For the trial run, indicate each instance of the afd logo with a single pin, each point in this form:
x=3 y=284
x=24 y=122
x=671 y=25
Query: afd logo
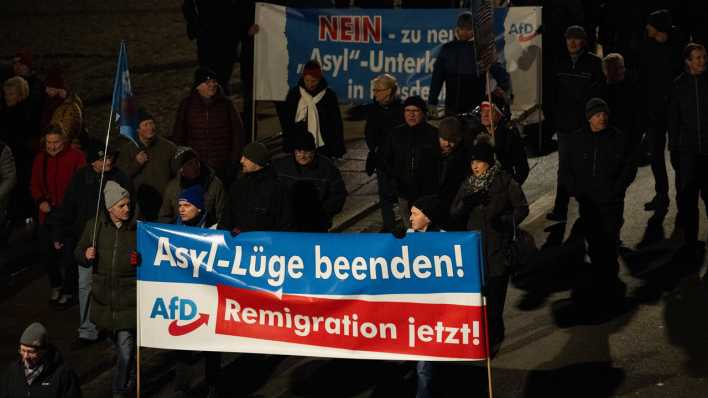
x=179 y=309
x=524 y=30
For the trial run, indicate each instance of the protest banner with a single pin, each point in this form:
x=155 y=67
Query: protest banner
x=355 y=45
x=365 y=296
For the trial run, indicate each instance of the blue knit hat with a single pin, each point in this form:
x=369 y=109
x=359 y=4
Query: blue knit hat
x=194 y=195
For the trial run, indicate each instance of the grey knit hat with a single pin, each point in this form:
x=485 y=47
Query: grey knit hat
x=35 y=336
x=113 y=193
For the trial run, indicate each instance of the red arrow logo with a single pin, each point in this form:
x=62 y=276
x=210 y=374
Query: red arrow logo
x=179 y=330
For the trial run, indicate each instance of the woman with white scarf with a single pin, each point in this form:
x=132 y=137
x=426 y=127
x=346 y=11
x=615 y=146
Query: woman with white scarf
x=312 y=103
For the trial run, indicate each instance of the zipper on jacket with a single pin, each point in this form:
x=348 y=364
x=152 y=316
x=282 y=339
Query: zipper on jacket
x=698 y=115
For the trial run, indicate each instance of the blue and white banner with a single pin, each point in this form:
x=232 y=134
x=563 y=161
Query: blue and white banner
x=355 y=45
x=333 y=295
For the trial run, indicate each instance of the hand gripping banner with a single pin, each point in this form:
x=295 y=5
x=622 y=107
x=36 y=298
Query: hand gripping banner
x=365 y=296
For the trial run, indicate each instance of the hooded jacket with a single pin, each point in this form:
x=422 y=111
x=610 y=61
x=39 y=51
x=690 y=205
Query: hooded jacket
x=688 y=114
x=56 y=380
x=330 y=119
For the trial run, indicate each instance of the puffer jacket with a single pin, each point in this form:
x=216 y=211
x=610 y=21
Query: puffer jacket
x=688 y=114
x=113 y=288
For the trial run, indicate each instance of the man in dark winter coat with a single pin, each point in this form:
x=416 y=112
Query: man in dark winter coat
x=41 y=371
x=8 y=179
x=454 y=166
x=660 y=63
x=575 y=74
x=207 y=121
x=412 y=157
x=69 y=220
x=621 y=93
x=315 y=185
x=191 y=171
x=385 y=113
x=688 y=135
x=598 y=172
x=148 y=164
x=456 y=66
x=257 y=200
x=312 y=102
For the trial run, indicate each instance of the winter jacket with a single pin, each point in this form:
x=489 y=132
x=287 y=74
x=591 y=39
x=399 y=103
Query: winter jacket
x=456 y=66
x=380 y=120
x=454 y=167
x=214 y=196
x=508 y=148
x=493 y=213
x=56 y=380
x=317 y=191
x=8 y=176
x=330 y=119
x=625 y=104
x=688 y=114
x=660 y=64
x=113 y=288
x=51 y=176
x=573 y=82
x=19 y=128
x=599 y=166
x=80 y=199
x=412 y=159
x=257 y=201
x=150 y=178
x=67 y=113
x=212 y=127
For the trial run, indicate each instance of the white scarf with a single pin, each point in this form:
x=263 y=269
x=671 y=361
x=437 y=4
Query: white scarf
x=307 y=108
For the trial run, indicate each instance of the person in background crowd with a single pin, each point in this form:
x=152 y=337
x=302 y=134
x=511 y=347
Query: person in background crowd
x=575 y=74
x=621 y=93
x=207 y=122
x=426 y=216
x=688 y=136
x=599 y=171
x=411 y=157
x=382 y=115
x=8 y=179
x=660 y=63
x=453 y=163
x=20 y=131
x=148 y=164
x=312 y=102
x=456 y=66
x=257 y=200
x=211 y=24
x=114 y=258
x=190 y=171
x=62 y=108
x=490 y=201
x=40 y=371
x=22 y=66
x=495 y=129
x=315 y=185
x=68 y=221
x=52 y=171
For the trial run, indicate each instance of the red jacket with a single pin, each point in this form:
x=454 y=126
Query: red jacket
x=51 y=176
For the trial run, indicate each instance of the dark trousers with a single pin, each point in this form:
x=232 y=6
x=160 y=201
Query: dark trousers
x=656 y=134
x=692 y=181
x=560 y=205
x=495 y=294
x=387 y=198
x=59 y=264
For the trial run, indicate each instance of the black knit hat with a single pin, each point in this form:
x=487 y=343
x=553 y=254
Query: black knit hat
x=483 y=152
x=431 y=206
x=595 y=105
x=450 y=129
x=576 y=32
x=144 y=115
x=257 y=153
x=415 y=101
x=95 y=151
x=304 y=141
x=660 y=20
x=203 y=74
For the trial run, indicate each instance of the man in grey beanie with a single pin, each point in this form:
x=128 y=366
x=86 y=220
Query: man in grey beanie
x=113 y=257
x=41 y=371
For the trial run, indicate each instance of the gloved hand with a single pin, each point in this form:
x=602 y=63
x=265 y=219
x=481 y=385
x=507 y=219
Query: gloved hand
x=135 y=259
x=235 y=231
x=398 y=233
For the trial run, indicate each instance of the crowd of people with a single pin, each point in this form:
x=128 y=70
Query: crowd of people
x=85 y=196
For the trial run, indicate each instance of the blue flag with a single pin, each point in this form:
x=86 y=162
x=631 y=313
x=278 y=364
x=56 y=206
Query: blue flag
x=124 y=104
